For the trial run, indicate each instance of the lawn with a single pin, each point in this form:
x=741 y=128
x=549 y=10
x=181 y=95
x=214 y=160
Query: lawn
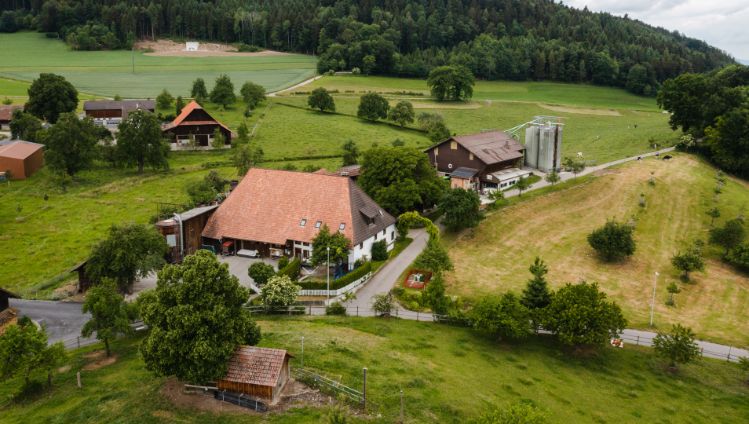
x=40 y=240
x=139 y=75
x=495 y=256
x=447 y=374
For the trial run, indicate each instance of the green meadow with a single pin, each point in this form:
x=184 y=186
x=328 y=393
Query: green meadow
x=137 y=74
x=447 y=374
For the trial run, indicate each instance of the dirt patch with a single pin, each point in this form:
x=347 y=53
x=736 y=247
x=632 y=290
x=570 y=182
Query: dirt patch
x=172 y=48
x=581 y=111
x=99 y=360
x=69 y=292
x=295 y=395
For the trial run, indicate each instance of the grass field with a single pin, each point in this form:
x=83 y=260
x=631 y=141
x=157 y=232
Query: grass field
x=447 y=374
x=111 y=72
x=40 y=240
x=495 y=256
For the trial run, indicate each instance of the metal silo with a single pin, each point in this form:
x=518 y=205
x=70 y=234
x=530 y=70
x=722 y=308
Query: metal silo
x=531 y=146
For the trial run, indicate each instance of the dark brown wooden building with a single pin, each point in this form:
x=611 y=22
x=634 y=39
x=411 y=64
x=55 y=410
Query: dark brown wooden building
x=188 y=240
x=5 y=297
x=112 y=109
x=194 y=121
x=258 y=372
x=475 y=158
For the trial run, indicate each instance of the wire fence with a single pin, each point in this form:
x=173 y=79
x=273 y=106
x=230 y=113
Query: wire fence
x=708 y=350
x=315 y=380
x=77 y=342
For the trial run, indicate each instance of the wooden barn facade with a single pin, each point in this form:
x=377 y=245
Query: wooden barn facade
x=195 y=122
x=477 y=160
x=116 y=109
x=183 y=232
x=258 y=372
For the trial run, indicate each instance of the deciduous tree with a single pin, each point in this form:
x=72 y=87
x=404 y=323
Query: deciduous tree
x=552 y=177
x=50 y=96
x=461 y=209
x=729 y=236
x=688 y=261
x=677 y=346
x=110 y=316
x=451 y=83
x=164 y=100
x=503 y=317
x=322 y=100
x=223 y=92
x=279 y=291
x=71 y=144
x=337 y=242
x=350 y=153
x=260 y=272
x=402 y=113
x=196 y=320
x=128 y=252
x=580 y=314
x=372 y=106
x=613 y=241
x=25 y=126
x=140 y=141
x=252 y=94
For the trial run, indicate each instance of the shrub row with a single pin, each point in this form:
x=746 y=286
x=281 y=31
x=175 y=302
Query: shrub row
x=292 y=269
x=341 y=282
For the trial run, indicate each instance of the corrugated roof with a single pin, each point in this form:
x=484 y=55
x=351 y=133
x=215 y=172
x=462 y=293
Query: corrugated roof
x=464 y=172
x=269 y=206
x=491 y=146
x=256 y=365
x=19 y=149
x=192 y=213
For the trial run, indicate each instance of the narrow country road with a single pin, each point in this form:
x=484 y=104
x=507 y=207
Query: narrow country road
x=63 y=320
x=385 y=278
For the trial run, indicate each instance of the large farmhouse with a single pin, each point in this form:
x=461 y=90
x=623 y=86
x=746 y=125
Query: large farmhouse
x=277 y=213
x=195 y=122
x=484 y=161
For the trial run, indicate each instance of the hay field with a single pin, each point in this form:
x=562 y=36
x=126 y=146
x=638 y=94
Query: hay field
x=495 y=256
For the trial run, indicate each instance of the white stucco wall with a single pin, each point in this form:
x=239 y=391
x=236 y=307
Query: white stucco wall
x=364 y=249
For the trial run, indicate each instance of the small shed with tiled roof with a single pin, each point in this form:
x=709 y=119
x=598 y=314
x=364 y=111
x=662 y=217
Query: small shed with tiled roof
x=257 y=371
x=194 y=121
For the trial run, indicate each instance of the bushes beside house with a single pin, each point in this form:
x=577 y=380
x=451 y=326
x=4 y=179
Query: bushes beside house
x=292 y=269
x=341 y=282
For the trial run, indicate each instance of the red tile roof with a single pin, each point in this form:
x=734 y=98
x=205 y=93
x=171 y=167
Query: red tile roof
x=269 y=205
x=19 y=149
x=256 y=365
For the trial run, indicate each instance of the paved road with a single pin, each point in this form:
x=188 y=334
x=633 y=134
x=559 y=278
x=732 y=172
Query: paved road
x=709 y=350
x=63 y=320
x=386 y=276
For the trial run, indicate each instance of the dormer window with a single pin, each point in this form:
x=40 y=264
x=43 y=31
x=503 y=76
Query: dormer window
x=303 y=222
x=318 y=224
x=342 y=226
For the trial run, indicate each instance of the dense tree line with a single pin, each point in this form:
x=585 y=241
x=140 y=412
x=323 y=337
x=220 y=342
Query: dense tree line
x=712 y=109
x=495 y=39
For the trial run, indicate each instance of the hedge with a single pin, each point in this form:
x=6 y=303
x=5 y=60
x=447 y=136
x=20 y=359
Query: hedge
x=292 y=269
x=341 y=282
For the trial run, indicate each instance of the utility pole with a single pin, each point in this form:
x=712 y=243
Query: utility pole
x=652 y=303
x=327 y=277
x=302 y=351
x=132 y=58
x=364 y=389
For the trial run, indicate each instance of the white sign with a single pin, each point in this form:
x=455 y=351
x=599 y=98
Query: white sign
x=171 y=240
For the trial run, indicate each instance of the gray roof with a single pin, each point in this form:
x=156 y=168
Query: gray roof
x=491 y=146
x=464 y=172
x=192 y=213
x=367 y=208
x=125 y=105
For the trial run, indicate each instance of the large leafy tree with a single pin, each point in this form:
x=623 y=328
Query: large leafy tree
x=196 y=320
x=400 y=179
x=677 y=346
x=223 y=91
x=50 y=96
x=434 y=257
x=140 y=141
x=580 y=314
x=24 y=349
x=337 y=242
x=728 y=140
x=613 y=241
x=503 y=316
x=688 y=261
x=451 y=83
x=110 y=315
x=25 y=126
x=164 y=100
x=729 y=236
x=260 y=272
x=322 y=100
x=71 y=144
x=402 y=113
x=372 y=106
x=252 y=94
x=461 y=209
x=129 y=251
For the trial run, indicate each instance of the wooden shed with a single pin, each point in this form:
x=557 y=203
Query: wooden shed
x=5 y=297
x=258 y=372
x=21 y=158
x=189 y=240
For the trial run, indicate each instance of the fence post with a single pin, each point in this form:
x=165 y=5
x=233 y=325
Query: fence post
x=638 y=340
x=417 y=319
x=364 y=389
x=357 y=310
x=78 y=378
x=78 y=338
x=729 y=353
x=310 y=312
x=302 y=351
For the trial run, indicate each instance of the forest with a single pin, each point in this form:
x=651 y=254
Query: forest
x=495 y=39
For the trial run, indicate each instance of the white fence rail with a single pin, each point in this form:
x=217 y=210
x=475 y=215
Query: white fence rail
x=343 y=290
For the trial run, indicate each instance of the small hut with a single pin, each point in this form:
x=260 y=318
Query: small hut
x=5 y=297
x=258 y=372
